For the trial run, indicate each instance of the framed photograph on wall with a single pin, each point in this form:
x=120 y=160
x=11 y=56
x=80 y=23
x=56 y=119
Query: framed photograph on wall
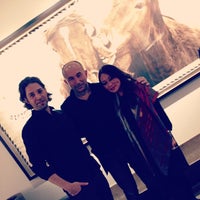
x=131 y=34
x=16 y=153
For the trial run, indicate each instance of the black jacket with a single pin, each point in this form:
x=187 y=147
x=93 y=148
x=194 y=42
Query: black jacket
x=53 y=147
x=98 y=122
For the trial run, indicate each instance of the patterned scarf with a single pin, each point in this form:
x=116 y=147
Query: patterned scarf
x=150 y=128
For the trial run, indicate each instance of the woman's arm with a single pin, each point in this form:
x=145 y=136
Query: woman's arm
x=162 y=114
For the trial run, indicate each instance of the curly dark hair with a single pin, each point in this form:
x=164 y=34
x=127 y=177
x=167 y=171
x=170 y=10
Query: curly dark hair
x=22 y=87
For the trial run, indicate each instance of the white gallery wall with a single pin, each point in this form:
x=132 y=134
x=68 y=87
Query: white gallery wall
x=182 y=107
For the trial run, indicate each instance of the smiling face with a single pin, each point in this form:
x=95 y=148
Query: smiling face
x=76 y=77
x=36 y=96
x=110 y=84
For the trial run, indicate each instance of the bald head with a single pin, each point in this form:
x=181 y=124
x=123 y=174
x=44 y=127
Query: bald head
x=76 y=77
x=71 y=65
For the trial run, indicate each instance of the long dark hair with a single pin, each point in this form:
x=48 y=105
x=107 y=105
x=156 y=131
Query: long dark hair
x=22 y=89
x=114 y=72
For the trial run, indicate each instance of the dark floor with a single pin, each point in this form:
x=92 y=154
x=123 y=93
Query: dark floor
x=119 y=195
x=191 y=151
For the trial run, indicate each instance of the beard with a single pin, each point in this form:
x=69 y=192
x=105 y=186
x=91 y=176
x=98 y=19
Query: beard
x=82 y=89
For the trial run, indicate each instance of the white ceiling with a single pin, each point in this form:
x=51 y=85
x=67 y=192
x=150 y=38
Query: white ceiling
x=15 y=13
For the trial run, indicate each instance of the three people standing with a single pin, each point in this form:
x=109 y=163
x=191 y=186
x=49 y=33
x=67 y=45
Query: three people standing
x=125 y=126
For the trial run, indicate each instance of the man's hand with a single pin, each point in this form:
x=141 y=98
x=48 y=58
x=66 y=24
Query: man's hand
x=142 y=80
x=72 y=188
x=75 y=187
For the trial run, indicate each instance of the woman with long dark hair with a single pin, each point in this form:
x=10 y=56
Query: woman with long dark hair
x=148 y=127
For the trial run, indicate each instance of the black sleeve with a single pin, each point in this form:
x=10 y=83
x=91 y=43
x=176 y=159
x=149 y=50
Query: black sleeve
x=35 y=154
x=162 y=114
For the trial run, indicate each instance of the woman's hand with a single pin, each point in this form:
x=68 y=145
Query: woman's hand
x=174 y=143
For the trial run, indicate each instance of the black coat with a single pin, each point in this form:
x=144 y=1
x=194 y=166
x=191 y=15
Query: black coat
x=97 y=120
x=53 y=147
